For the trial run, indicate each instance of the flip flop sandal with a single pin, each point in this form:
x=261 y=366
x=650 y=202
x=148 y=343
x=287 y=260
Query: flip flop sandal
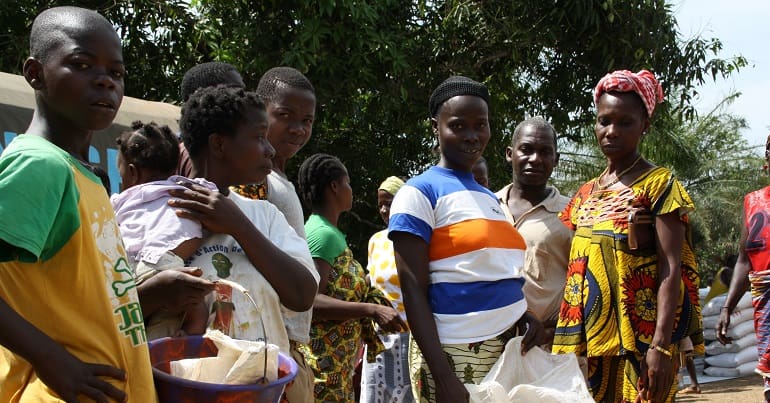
x=690 y=390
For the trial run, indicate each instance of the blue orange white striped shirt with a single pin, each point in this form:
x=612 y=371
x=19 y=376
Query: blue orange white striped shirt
x=476 y=256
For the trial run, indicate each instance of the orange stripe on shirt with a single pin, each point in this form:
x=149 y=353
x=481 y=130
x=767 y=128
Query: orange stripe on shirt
x=470 y=235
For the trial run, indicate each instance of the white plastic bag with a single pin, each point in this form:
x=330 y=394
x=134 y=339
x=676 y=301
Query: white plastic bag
x=536 y=377
x=238 y=362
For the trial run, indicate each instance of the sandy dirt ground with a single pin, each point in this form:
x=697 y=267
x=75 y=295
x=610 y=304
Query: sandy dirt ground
x=740 y=390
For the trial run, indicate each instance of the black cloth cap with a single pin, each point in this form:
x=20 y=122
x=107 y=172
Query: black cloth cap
x=456 y=86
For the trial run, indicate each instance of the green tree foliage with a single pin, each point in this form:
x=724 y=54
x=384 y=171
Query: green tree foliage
x=725 y=169
x=375 y=63
x=158 y=40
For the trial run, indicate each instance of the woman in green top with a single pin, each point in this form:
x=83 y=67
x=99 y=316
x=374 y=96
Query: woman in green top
x=346 y=303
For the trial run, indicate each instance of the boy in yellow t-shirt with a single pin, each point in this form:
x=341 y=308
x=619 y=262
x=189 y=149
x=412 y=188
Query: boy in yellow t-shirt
x=72 y=324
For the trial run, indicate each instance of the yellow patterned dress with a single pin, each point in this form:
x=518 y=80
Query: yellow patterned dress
x=335 y=345
x=254 y=191
x=609 y=309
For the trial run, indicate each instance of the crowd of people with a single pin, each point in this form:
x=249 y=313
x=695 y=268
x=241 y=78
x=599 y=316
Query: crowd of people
x=608 y=274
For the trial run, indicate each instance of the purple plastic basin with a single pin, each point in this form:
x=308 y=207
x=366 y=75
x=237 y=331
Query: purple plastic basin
x=173 y=389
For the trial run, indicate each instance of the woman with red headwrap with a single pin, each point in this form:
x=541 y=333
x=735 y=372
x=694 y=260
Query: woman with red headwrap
x=632 y=282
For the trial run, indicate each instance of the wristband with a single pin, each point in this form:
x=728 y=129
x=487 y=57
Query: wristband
x=660 y=349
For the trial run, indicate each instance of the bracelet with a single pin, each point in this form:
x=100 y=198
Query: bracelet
x=660 y=349
x=724 y=307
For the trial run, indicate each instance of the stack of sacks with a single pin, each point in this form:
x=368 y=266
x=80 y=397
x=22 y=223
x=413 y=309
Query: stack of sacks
x=238 y=362
x=698 y=360
x=702 y=294
x=740 y=357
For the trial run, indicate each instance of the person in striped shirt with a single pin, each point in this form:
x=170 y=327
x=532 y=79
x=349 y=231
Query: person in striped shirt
x=459 y=260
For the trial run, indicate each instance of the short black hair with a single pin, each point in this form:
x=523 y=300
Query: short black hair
x=452 y=87
x=315 y=174
x=150 y=146
x=538 y=122
x=278 y=78
x=53 y=25
x=212 y=110
x=208 y=74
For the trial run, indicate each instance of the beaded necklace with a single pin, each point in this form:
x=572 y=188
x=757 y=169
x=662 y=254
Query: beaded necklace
x=617 y=176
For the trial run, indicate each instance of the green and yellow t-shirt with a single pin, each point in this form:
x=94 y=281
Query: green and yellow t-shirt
x=63 y=268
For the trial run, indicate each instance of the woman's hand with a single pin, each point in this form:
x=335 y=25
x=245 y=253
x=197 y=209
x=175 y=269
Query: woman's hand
x=173 y=290
x=211 y=208
x=388 y=318
x=656 y=376
x=723 y=325
x=532 y=330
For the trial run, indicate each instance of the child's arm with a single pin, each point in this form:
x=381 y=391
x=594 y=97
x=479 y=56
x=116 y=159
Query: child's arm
x=187 y=248
x=291 y=280
x=61 y=371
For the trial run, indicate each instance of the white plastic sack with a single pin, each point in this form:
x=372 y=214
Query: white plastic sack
x=716 y=303
x=719 y=371
x=710 y=322
x=741 y=329
x=741 y=315
x=716 y=348
x=702 y=292
x=745 y=301
x=747 y=341
x=535 y=377
x=738 y=317
x=238 y=362
x=732 y=360
x=748 y=354
x=737 y=331
x=747 y=368
x=724 y=360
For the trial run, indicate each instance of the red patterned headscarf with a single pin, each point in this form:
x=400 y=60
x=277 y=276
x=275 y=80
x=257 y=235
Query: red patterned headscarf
x=642 y=83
